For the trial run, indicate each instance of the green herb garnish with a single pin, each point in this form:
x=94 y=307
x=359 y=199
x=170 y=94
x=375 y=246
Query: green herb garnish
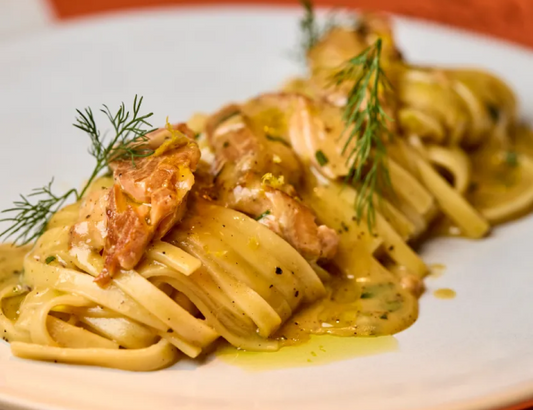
x=50 y=259
x=278 y=139
x=511 y=158
x=267 y=212
x=494 y=112
x=366 y=126
x=366 y=295
x=310 y=30
x=394 y=305
x=129 y=142
x=321 y=158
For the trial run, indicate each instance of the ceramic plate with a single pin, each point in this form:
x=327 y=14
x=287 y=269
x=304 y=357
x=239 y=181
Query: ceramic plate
x=472 y=352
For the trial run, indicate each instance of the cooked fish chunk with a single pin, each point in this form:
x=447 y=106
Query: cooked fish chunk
x=308 y=126
x=294 y=221
x=161 y=180
x=147 y=199
x=257 y=174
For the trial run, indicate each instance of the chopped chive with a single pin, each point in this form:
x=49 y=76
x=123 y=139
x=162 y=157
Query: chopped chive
x=494 y=112
x=366 y=295
x=511 y=158
x=278 y=139
x=50 y=259
x=321 y=158
x=267 y=212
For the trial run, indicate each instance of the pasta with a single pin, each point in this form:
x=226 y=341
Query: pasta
x=261 y=224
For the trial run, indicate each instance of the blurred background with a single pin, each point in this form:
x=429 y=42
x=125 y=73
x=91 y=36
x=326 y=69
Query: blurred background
x=511 y=20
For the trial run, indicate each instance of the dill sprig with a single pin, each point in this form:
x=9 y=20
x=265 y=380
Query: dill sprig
x=129 y=140
x=31 y=218
x=310 y=30
x=33 y=211
x=366 y=126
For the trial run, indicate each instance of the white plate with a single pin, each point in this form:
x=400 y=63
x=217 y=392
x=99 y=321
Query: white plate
x=473 y=352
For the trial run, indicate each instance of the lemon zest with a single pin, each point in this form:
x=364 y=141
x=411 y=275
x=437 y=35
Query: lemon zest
x=177 y=139
x=271 y=180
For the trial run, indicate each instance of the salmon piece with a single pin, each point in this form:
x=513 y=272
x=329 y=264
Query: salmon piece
x=148 y=198
x=257 y=175
x=162 y=180
x=295 y=222
x=128 y=233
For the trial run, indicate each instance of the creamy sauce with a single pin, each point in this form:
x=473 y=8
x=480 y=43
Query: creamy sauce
x=444 y=293
x=10 y=306
x=272 y=121
x=12 y=293
x=436 y=270
x=318 y=350
x=366 y=298
x=367 y=305
x=11 y=260
x=443 y=226
x=523 y=140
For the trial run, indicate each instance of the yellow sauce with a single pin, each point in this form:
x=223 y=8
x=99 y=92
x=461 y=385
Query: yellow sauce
x=11 y=260
x=10 y=306
x=13 y=293
x=523 y=140
x=443 y=227
x=319 y=350
x=444 y=293
x=436 y=270
x=374 y=306
x=272 y=121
